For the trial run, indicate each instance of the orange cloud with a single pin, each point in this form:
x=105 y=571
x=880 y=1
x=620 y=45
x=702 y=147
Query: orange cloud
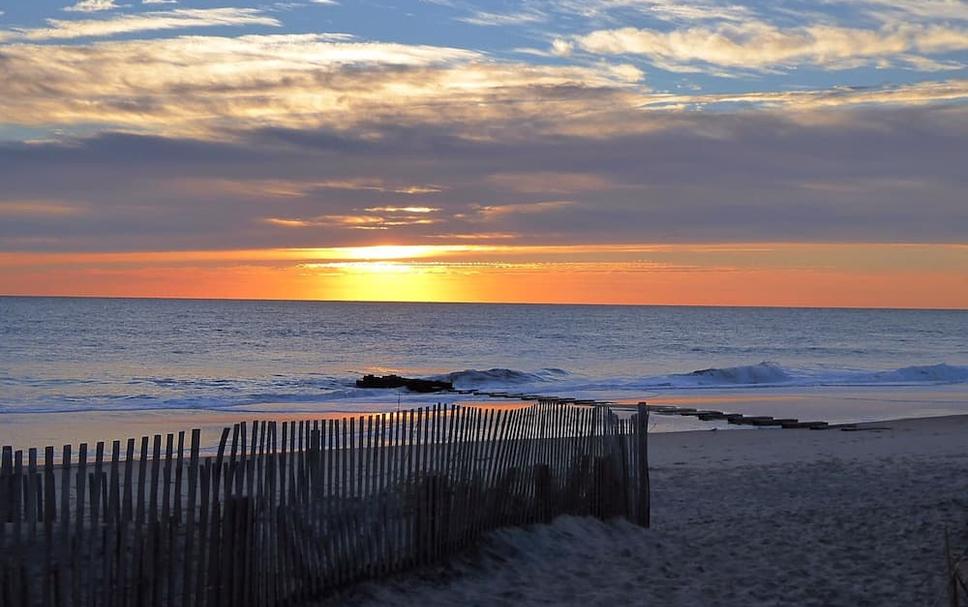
x=26 y=208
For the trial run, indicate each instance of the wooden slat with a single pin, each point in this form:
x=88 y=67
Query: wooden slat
x=32 y=505
x=6 y=489
x=216 y=469
x=17 y=483
x=200 y=568
x=77 y=587
x=643 y=505
x=64 y=535
x=189 y=565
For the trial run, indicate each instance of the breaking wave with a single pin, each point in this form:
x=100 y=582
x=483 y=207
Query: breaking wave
x=766 y=374
x=473 y=378
x=923 y=373
x=762 y=373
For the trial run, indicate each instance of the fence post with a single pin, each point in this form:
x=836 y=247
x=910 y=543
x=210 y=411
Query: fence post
x=643 y=512
x=952 y=573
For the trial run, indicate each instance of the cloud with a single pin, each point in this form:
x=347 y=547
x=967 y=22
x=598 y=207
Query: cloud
x=37 y=208
x=59 y=29
x=354 y=222
x=490 y=213
x=895 y=10
x=402 y=209
x=618 y=11
x=208 y=84
x=90 y=6
x=288 y=188
x=857 y=173
x=549 y=182
x=561 y=48
x=485 y=18
x=926 y=64
x=758 y=45
x=799 y=101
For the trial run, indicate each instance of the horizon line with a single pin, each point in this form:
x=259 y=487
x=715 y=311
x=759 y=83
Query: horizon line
x=478 y=303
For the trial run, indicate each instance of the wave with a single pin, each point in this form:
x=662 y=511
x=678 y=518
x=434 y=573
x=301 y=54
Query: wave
x=767 y=374
x=321 y=392
x=942 y=373
x=497 y=377
x=762 y=373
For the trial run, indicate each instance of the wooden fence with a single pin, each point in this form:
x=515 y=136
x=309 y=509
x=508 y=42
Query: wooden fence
x=287 y=512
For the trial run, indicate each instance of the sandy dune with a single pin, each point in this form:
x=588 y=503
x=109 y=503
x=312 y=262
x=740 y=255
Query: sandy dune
x=764 y=517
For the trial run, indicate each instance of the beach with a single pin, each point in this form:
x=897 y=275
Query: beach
x=760 y=517
x=741 y=515
x=840 y=405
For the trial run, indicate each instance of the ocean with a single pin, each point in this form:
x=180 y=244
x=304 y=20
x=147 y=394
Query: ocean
x=80 y=355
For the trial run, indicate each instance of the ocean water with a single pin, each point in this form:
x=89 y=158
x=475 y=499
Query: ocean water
x=92 y=355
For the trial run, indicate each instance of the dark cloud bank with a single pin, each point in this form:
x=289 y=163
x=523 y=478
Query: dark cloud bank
x=870 y=174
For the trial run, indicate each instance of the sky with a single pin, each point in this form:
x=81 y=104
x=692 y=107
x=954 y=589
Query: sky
x=571 y=151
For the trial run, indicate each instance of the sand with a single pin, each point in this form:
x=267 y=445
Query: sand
x=760 y=517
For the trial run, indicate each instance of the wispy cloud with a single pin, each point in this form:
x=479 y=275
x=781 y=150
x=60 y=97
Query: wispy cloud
x=290 y=188
x=198 y=84
x=37 y=208
x=91 y=6
x=666 y=10
x=377 y=185
x=59 y=29
x=549 y=182
x=491 y=212
x=354 y=222
x=758 y=45
x=894 y=10
x=922 y=93
x=419 y=210
x=504 y=19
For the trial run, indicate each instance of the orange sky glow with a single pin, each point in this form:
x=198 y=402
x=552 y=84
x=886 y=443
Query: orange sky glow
x=747 y=274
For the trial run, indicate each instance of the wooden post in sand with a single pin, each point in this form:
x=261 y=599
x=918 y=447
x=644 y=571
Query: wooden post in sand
x=952 y=573
x=643 y=511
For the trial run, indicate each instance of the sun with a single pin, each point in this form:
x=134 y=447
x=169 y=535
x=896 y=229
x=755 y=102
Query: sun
x=384 y=280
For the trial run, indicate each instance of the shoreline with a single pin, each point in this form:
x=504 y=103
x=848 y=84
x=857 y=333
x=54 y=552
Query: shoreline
x=866 y=406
